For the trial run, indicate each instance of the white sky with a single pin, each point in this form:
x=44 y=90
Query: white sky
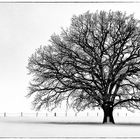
x=26 y=26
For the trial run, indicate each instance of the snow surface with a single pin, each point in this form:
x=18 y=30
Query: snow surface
x=68 y=127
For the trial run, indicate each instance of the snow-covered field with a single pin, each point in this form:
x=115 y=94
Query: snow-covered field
x=70 y=126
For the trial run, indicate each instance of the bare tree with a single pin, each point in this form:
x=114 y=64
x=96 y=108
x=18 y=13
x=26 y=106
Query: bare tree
x=95 y=62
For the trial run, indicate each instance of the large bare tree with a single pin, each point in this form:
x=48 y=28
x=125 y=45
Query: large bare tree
x=94 y=62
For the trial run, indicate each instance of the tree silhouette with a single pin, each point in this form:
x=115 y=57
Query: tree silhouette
x=94 y=62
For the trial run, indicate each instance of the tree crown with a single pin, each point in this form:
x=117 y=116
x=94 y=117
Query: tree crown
x=93 y=62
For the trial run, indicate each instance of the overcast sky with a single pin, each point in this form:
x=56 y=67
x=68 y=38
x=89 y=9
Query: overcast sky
x=26 y=26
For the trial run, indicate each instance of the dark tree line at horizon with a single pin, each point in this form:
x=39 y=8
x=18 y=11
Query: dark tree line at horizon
x=95 y=62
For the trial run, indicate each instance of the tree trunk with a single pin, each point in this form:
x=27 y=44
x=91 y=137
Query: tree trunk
x=108 y=114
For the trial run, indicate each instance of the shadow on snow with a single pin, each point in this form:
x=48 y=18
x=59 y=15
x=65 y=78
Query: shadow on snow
x=72 y=123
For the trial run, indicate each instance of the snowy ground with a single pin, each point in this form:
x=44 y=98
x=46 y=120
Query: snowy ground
x=39 y=127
